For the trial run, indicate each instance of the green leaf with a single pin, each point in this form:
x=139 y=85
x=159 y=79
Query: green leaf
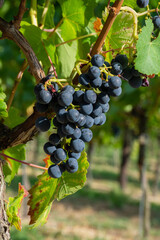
x=3 y=105
x=121 y=32
x=11 y=167
x=148 y=51
x=14 y=118
x=48 y=189
x=14 y=206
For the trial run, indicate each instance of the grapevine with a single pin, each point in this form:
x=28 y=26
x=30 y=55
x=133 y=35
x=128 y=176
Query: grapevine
x=69 y=105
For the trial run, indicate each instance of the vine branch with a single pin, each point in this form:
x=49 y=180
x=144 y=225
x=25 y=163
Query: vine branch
x=18 y=18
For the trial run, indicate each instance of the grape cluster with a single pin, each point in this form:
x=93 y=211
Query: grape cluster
x=77 y=109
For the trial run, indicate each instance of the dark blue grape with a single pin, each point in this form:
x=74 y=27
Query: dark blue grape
x=135 y=82
x=104 y=106
x=82 y=120
x=49 y=148
x=44 y=97
x=77 y=145
x=76 y=134
x=65 y=99
x=41 y=107
x=97 y=110
x=127 y=73
x=69 y=89
x=68 y=128
x=135 y=72
x=73 y=115
x=122 y=59
x=102 y=119
x=115 y=92
x=53 y=159
x=107 y=64
x=86 y=135
x=38 y=88
x=54 y=171
x=86 y=108
x=156 y=21
x=60 y=132
x=116 y=68
x=114 y=82
x=94 y=72
x=62 y=115
x=43 y=124
x=84 y=79
x=96 y=83
x=103 y=97
x=97 y=120
x=142 y=3
x=72 y=165
x=90 y=96
x=62 y=166
x=97 y=60
x=89 y=122
x=54 y=139
x=55 y=122
x=78 y=96
x=60 y=154
x=104 y=86
x=74 y=155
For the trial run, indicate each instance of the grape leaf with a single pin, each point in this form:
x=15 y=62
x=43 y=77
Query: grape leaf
x=3 y=105
x=148 y=51
x=11 y=167
x=48 y=189
x=14 y=206
x=14 y=118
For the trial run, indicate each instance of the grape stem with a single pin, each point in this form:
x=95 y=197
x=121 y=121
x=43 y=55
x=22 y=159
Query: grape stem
x=29 y=164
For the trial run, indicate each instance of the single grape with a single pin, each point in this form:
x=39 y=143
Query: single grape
x=54 y=160
x=97 y=120
x=97 y=110
x=156 y=21
x=60 y=132
x=74 y=155
x=77 y=133
x=62 y=115
x=122 y=59
x=104 y=106
x=96 y=83
x=107 y=64
x=82 y=120
x=127 y=73
x=135 y=82
x=55 y=122
x=41 y=107
x=104 y=86
x=135 y=72
x=73 y=115
x=49 y=148
x=54 y=139
x=60 y=154
x=54 y=171
x=43 y=124
x=72 y=165
x=69 y=89
x=115 y=92
x=114 y=82
x=97 y=60
x=94 y=72
x=90 y=96
x=102 y=119
x=86 y=135
x=89 y=122
x=116 y=68
x=44 y=97
x=38 y=88
x=78 y=96
x=142 y=3
x=86 y=108
x=68 y=128
x=65 y=99
x=84 y=79
x=77 y=145
x=103 y=97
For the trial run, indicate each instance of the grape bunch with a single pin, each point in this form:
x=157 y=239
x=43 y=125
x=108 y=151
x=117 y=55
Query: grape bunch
x=142 y=3
x=77 y=108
